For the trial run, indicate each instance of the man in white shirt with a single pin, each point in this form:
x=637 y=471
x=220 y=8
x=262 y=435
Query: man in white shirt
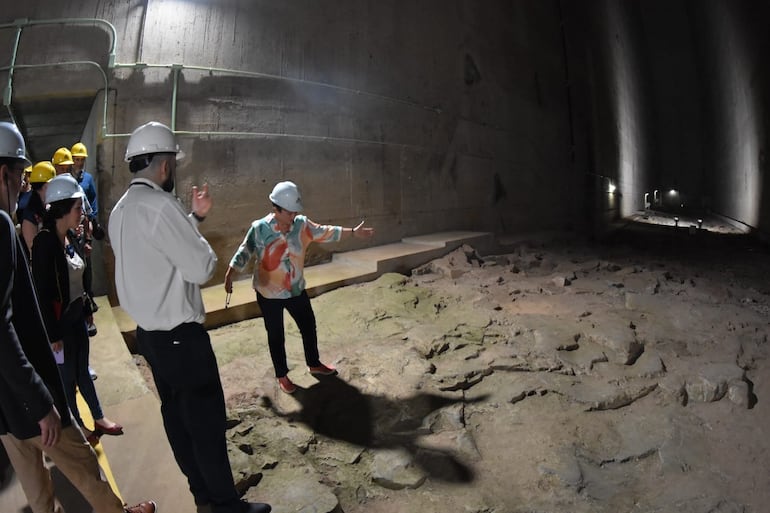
x=161 y=259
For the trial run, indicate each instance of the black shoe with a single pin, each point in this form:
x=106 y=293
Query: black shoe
x=202 y=505
x=92 y=330
x=256 y=507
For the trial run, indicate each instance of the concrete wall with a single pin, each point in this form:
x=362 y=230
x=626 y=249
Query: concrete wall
x=736 y=83
x=425 y=116
x=708 y=111
x=611 y=108
x=675 y=98
x=709 y=88
x=417 y=116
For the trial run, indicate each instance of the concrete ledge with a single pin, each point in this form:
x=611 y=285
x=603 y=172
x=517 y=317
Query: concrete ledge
x=509 y=242
x=481 y=241
x=123 y=320
x=325 y=277
x=121 y=380
x=231 y=314
x=346 y=268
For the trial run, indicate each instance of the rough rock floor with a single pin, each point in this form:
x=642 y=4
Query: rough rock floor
x=559 y=377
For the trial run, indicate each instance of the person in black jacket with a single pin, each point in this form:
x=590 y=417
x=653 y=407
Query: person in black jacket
x=58 y=270
x=26 y=405
x=32 y=216
x=34 y=415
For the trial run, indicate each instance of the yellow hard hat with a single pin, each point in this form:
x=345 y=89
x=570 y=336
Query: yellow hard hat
x=79 y=150
x=62 y=157
x=42 y=172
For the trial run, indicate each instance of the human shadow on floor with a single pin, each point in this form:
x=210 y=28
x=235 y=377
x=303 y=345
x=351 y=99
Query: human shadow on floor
x=336 y=409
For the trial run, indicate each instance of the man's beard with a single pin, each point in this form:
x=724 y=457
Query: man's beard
x=168 y=184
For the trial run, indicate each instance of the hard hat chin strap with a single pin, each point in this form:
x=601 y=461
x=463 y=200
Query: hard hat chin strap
x=7 y=189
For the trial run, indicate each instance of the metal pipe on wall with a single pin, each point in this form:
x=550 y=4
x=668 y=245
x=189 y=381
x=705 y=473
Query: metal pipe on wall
x=176 y=70
x=24 y=22
x=68 y=63
x=8 y=91
x=320 y=138
x=257 y=74
x=19 y=25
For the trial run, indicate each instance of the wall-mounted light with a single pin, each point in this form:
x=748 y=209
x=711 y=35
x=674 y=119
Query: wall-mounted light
x=676 y=221
x=611 y=188
x=700 y=223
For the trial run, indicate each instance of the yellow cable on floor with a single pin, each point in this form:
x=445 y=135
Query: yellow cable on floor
x=85 y=414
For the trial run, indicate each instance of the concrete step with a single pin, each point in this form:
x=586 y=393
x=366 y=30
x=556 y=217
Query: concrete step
x=346 y=268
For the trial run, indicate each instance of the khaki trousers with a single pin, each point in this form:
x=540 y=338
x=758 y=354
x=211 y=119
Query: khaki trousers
x=76 y=460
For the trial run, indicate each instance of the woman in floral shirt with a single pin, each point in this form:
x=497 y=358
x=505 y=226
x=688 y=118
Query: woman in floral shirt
x=279 y=242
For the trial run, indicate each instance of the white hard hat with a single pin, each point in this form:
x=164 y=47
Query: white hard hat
x=63 y=187
x=286 y=195
x=12 y=143
x=152 y=137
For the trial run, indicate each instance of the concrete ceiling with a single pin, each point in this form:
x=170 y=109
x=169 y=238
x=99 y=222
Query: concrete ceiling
x=50 y=123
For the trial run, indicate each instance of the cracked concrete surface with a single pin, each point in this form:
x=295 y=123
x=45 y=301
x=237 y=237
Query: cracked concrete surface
x=556 y=377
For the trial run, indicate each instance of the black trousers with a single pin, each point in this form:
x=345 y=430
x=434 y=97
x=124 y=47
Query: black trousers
x=193 y=408
x=300 y=310
x=74 y=370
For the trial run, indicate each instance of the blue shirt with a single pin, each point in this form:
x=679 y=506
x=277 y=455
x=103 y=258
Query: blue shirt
x=89 y=187
x=22 y=204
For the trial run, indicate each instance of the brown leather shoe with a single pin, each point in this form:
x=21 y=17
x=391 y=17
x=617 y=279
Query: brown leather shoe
x=143 y=507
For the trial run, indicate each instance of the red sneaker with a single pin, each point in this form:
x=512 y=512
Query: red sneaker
x=286 y=385
x=323 y=370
